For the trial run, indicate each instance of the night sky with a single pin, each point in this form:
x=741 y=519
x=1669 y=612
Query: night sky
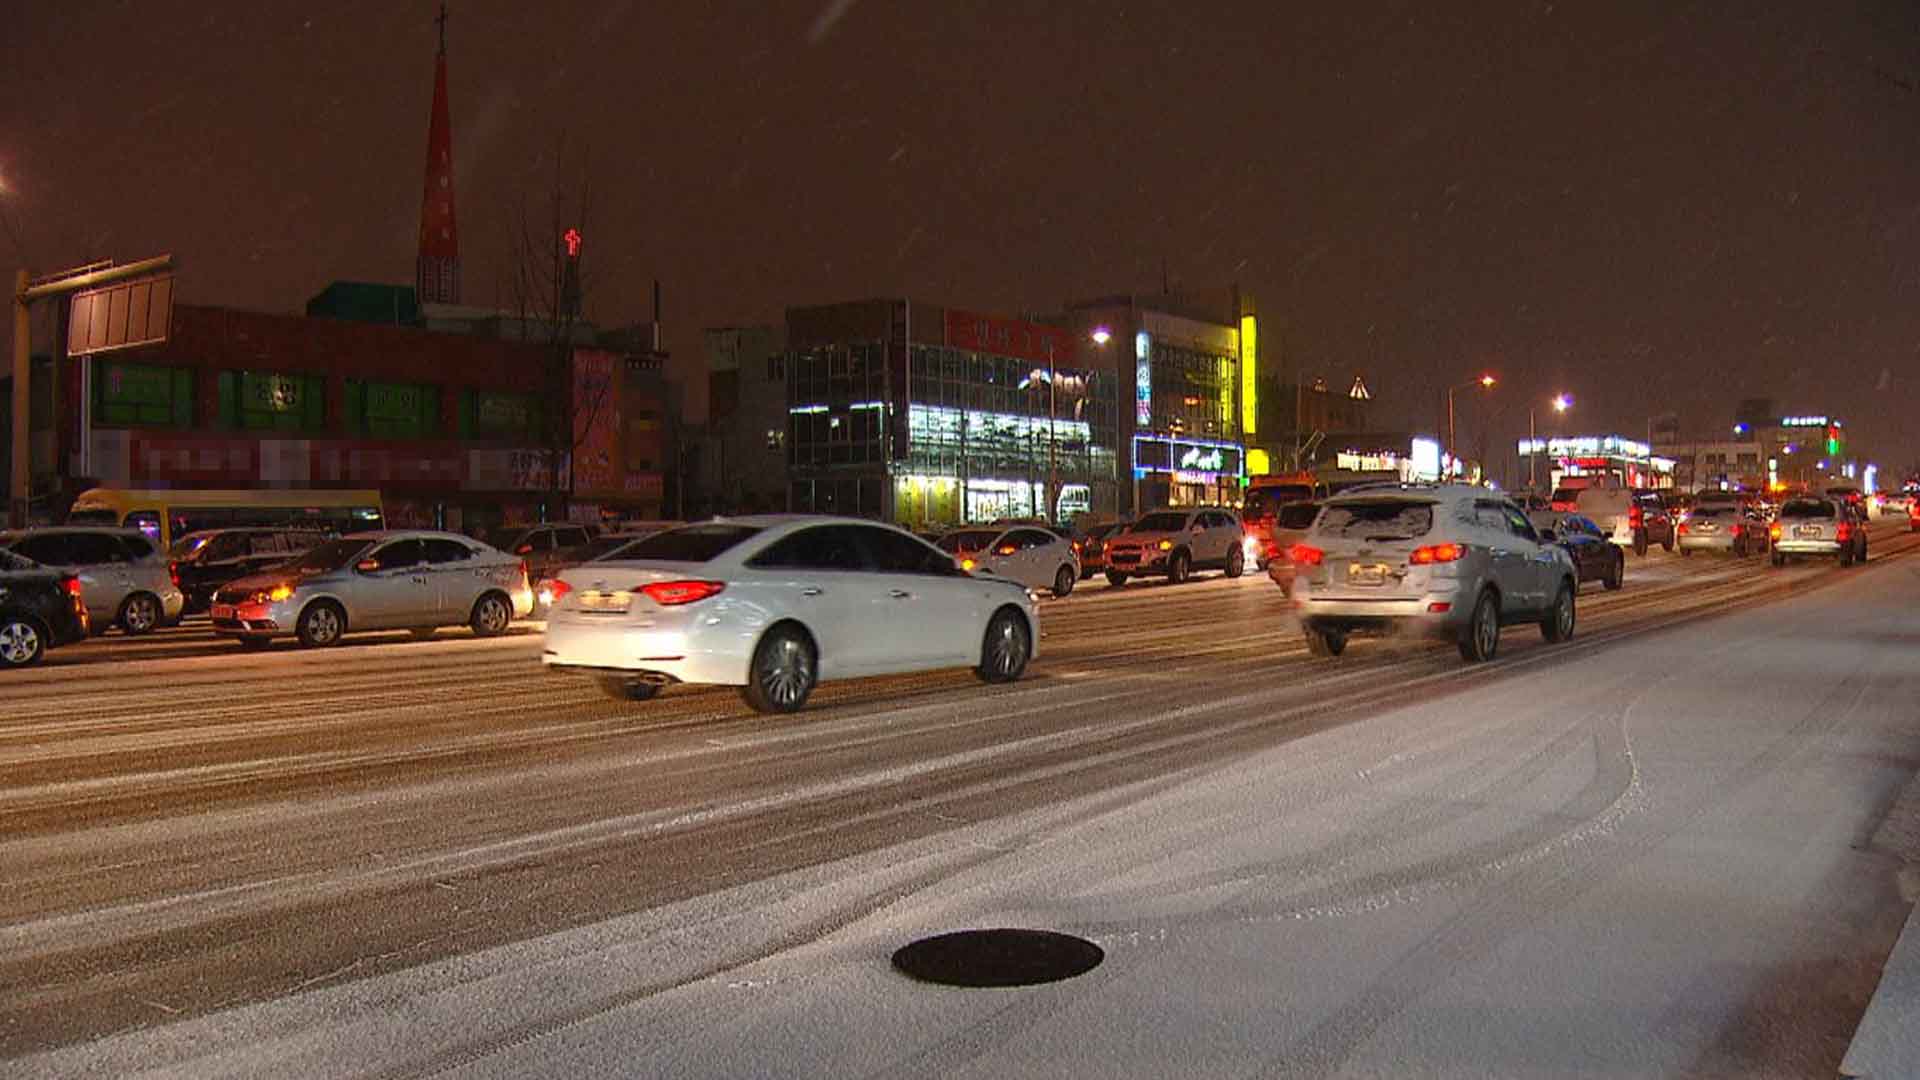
x=1652 y=205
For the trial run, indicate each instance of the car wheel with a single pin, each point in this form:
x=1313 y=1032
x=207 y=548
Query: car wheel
x=784 y=670
x=627 y=688
x=1481 y=638
x=1236 y=561
x=139 y=614
x=1178 y=567
x=1558 y=624
x=423 y=633
x=1640 y=543
x=1616 y=576
x=1116 y=579
x=1063 y=581
x=21 y=643
x=491 y=614
x=320 y=625
x=1006 y=649
x=1326 y=642
x=1666 y=543
x=1846 y=557
x=1779 y=559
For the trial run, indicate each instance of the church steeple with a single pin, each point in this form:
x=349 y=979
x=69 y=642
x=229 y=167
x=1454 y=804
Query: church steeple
x=437 y=275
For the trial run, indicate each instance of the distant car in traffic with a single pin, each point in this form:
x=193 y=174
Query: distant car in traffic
x=776 y=605
x=1093 y=546
x=1452 y=561
x=210 y=558
x=413 y=580
x=1631 y=519
x=125 y=579
x=1176 y=543
x=40 y=609
x=606 y=545
x=1289 y=526
x=1036 y=557
x=1723 y=527
x=544 y=547
x=1816 y=526
x=1594 y=557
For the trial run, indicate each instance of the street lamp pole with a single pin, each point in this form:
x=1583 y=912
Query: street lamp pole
x=1053 y=441
x=1485 y=382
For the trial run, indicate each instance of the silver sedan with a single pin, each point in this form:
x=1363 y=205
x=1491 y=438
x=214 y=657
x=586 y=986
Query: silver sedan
x=393 y=580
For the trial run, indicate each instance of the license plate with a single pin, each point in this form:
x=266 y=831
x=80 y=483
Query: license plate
x=1705 y=528
x=1366 y=574
x=1807 y=530
x=605 y=601
x=221 y=611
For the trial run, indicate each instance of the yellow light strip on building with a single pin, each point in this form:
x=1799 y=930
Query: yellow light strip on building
x=1249 y=400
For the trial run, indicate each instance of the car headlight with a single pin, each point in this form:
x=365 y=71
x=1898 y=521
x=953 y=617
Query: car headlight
x=1166 y=545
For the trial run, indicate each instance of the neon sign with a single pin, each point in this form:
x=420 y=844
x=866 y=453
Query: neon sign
x=1207 y=460
x=1143 y=379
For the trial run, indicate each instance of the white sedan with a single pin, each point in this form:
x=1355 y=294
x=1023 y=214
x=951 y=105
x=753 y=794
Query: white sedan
x=1029 y=554
x=777 y=604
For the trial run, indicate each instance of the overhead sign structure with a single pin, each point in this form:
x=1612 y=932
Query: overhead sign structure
x=126 y=315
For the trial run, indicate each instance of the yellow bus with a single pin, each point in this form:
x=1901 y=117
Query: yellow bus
x=168 y=515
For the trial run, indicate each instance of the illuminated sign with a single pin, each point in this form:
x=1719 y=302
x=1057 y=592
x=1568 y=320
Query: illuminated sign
x=1143 y=379
x=1249 y=400
x=1210 y=460
x=1381 y=462
x=1804 y=421
x=572 y=237
x=1426 y=459
x=1259 y=463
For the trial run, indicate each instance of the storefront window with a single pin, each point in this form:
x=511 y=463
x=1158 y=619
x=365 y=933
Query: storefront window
x=272 y=401
x=142 y=395
x=490 y=414
x=392 y=410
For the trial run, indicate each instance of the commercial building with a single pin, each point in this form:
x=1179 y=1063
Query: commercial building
x=1799 y=451
x=742 y=467
x=1597 y=460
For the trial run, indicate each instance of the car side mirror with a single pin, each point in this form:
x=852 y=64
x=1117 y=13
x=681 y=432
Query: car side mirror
x=367 y=566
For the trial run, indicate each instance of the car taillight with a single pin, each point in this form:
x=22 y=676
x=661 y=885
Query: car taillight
x=1735 y=531
x=173 y=571
x=555 y=589
x=72 y=585
x=1636 y=517
x=1273 y=549
x=675 y=593
x=525 y=574
x=1682 y=529
x=1437 y=553
x=1843 y=532
x=1306 y=555
x=1773 y=532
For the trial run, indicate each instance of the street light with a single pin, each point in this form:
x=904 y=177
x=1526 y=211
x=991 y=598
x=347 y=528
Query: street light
x=1485 y=382
x=1561 y=403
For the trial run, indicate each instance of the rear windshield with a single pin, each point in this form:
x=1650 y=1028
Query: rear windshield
x=1566 y=495
x=1262 y=501
x=1387 y=520
x=97 y=516
x=1720 y=511
x=1164 y=521
x=693 y=544
x=184 y=547
x=1298 y=515
x=966 y=540
x=1807 y=508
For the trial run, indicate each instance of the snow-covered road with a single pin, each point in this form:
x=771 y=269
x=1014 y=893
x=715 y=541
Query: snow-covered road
x=1639 y=855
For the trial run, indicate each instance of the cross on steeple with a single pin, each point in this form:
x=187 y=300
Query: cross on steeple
x=442 y=20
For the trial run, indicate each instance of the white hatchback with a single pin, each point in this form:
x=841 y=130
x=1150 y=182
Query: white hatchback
x=1031 y=555
x=777 y=604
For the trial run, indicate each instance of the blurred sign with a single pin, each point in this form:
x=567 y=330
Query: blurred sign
x=123 y=316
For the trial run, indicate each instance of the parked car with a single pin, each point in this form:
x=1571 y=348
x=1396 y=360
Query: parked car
x=1819 y=527
x=1290 y=526
x=1035 y=557
x=776 y=605
x=1450 y=560
x=1594 y=557
x=1176 y=543
x=208 y=559
x=125 y=579
x=545 y=546
x=389 y=580
x=40 y=609
x=1093 y=546
x=1723 y=527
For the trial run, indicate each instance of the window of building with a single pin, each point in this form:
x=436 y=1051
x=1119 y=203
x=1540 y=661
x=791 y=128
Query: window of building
x=492 y=414
x=392 y=410
x=776 y=368
x=142 y=395
x=272 y=401
x=776 y=439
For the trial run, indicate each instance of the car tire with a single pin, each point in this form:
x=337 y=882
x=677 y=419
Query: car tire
x=491 y=615
x=1557 y=625
x=321 y=624
x=1327 y=643
x=139 y=614
x=785 y=669
x=1666 y=544
x=1179 y=568
x=1846 y=557
x=1007 y=647
x=1779 y=559
x=1640 y=543
x=626 y=688
x=1236 y=561
x=1116 y=579
x=1063 y=582
x=22 y=642
x=1480 y=638
x=1617 y=576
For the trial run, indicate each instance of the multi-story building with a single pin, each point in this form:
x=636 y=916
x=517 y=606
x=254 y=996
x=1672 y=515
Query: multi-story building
x=743 y=458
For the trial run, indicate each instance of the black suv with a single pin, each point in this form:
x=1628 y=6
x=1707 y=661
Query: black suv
x=210 y=558
x=40 y=609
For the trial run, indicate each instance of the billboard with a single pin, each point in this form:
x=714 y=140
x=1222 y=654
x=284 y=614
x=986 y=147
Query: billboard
x=1017 y=338
x=597 y=463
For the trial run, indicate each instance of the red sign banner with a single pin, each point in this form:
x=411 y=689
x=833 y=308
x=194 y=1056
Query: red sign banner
x=1017 y=338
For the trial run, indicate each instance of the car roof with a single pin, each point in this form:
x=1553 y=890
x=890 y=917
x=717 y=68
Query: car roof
x=411 y=534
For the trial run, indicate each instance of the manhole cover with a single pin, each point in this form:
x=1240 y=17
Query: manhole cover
x=998 y=958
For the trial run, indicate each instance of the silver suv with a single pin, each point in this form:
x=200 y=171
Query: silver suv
x=124 y=579
x=1442 y=560
x=1176 y=543
x=1819 y=526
